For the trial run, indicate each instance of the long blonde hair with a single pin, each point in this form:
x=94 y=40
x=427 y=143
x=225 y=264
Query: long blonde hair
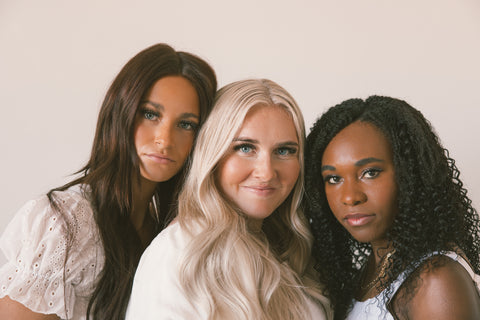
x=232 y=272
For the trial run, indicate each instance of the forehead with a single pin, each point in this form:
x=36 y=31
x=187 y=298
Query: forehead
x=174 y=92
x=269 y=119
x=358 y=140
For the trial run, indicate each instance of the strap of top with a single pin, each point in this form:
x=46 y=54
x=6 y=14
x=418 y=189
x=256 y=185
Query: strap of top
x=452 y=255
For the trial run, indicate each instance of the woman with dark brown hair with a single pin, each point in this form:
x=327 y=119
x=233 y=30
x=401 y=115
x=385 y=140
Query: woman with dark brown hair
x=72 y=253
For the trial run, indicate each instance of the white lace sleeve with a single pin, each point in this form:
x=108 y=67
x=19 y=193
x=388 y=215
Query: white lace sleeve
x=43 y=251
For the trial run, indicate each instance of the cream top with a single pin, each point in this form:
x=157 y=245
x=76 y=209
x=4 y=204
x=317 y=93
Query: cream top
x=157 y=292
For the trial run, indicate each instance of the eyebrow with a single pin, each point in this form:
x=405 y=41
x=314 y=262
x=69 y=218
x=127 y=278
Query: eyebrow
x=359 y=163
x=160 y=107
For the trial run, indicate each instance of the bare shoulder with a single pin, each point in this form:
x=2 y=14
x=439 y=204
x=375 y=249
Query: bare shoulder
x=443 y=289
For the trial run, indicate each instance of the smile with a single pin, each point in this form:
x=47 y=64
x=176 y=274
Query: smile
x=260 y=190
x=358 y=219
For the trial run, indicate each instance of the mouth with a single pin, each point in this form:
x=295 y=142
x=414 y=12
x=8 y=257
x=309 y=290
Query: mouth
x=159 y=158
x=358 y=219
x=261 y=190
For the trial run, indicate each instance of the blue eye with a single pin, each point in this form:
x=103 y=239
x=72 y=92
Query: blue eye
x=244 y=148
x=284 y=151
x=188 y=125
x=150 y=114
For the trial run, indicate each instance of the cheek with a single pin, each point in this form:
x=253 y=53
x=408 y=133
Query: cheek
x=185 y=144
x=140 y=136
x=291 y=171
x=232 y=171
x=332 y=201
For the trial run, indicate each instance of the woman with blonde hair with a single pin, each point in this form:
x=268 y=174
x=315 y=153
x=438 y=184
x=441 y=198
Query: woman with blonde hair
x=240 y=245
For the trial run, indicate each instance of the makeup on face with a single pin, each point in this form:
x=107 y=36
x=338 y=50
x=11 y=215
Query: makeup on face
x=359 y=179
x=165 y=127
x=262 y=166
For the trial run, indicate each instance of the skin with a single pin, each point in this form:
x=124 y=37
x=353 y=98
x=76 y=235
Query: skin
x=444 y=293
x=360 y=182
x=165 y=128
x=262 y=166
x=359 y=175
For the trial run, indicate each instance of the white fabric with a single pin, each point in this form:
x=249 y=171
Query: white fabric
x=157 y=293
x=374 y=308
x=53 y=258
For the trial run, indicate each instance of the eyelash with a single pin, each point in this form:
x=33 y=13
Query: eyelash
x=152 y=115
x=376 y=171
x=192 y=126
x=244 y=145
x=327 y=179
x=290 y=151
x=145 y=112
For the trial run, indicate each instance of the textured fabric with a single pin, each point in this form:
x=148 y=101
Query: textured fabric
x=374 y=308
x=157 y=292
x=53 y=257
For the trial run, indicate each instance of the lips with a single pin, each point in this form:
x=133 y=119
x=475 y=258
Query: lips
x=358 y=219
x=261 y=190
x=159 y=158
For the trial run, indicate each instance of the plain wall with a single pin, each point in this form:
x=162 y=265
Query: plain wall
x=57 y=59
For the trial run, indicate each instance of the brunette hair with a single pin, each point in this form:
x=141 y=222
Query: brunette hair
x=434 y=212
x=113 y=168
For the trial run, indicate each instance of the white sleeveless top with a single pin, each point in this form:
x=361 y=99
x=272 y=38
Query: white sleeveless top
x=374 y=308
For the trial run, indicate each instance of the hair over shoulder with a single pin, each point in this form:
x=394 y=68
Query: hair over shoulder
x=237 y=274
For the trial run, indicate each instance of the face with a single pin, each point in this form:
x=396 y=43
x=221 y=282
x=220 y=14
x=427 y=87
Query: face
x=165 y=127
x=261 y=167
x=359 y=179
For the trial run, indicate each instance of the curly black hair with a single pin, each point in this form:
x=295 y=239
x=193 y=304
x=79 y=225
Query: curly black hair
x=434 y=212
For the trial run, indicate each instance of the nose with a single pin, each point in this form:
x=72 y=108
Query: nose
x=352 y=193
x=264 y=168
x=164 y=135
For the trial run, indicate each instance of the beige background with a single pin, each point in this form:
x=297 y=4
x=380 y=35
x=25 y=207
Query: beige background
x=58 y=57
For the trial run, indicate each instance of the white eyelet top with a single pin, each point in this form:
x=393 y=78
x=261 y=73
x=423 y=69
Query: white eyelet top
x=53 y=258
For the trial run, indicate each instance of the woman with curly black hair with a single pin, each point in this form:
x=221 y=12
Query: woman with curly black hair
x=396 y=236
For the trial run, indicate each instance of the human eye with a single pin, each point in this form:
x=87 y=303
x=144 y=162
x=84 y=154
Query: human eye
x=188 y=125
x=286 y=151
x=149 y=114
x=371 y=173
x=244 y=148
x=331 y=179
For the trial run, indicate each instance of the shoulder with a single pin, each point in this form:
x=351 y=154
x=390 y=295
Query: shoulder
x=443 y=290
x=165 y=249
x=157 y=292
x=52 y=251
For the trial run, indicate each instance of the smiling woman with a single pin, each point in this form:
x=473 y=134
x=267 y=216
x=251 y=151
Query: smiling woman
x=73 y=252
x=240 y=246
x=262 y=166
x=396 y=236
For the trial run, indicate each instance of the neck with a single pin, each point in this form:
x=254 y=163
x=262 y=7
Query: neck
x=380 y=249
